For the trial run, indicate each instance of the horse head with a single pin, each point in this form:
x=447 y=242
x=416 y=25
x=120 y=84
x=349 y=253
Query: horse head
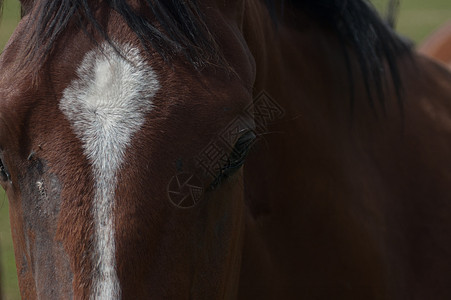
x=121 y=148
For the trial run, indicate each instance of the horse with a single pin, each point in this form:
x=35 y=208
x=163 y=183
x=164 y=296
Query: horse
x=438 y=44
x=224 y=149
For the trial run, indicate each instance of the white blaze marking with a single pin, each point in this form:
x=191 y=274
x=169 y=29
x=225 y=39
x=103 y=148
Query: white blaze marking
x=106 y=105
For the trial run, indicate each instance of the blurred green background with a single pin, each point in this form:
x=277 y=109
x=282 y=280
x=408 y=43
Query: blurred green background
x=417 y=19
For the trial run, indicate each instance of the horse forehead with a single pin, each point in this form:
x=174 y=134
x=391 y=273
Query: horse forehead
x=110 y=95
x=106 y=105
x=112 y=76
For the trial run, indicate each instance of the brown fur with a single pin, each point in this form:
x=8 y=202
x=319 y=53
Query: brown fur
x=329 y=205
x=438 y=45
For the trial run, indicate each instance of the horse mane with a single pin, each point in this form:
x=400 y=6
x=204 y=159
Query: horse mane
x=183 y=31
x=363 y=34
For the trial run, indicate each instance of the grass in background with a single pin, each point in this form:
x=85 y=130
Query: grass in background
x=417 y=19
x=9 y=283
x=11 y=16
x=10 y=288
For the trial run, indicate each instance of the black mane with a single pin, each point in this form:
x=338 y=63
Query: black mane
x=364 y=35
x=183 y=31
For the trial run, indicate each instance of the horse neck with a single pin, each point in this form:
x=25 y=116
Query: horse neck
x=295 y=60
x=303 y=69
x=329 y=175
x=299 y=175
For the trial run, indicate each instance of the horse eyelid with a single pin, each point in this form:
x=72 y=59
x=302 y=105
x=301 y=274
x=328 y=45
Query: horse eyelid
x=236 y=158
x=4 y=175
x=244 y=143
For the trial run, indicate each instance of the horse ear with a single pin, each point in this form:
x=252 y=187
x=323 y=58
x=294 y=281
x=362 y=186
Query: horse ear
x=26 y=6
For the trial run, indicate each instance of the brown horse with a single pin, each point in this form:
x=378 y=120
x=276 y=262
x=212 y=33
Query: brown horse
x=438 y=45
x=124 y=127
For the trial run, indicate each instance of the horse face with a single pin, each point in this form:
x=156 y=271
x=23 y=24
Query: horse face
x=114 y=163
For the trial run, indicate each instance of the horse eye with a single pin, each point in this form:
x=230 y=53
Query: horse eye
x=241 y=149
x=4 y=175
x=236 y=158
